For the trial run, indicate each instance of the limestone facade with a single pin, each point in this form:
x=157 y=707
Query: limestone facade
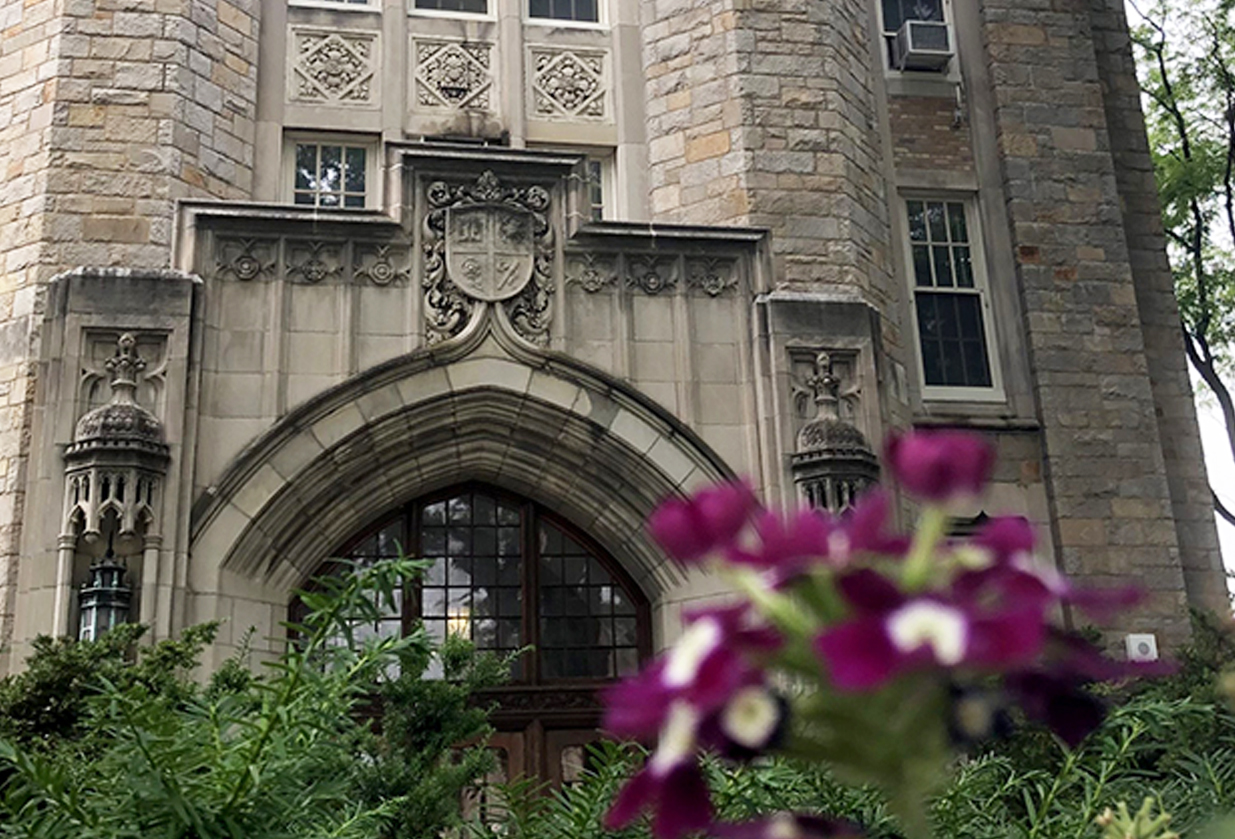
x=372 y=250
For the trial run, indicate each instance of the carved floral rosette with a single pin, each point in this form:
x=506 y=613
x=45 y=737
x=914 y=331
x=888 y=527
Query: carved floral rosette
x=448 y=309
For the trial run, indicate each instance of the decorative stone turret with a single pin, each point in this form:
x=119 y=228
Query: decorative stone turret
x=113 y=471
x=834 y=462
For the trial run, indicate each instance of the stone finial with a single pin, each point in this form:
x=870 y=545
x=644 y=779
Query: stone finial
x=124 y=367
x=833 y=463
x=122 y=419
x=825 y=386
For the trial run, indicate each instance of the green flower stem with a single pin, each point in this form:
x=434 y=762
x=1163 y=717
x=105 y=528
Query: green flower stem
x=779 y=608
x=920 y=564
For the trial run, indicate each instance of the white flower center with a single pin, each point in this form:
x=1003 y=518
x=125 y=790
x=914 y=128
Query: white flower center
x=783 y=826
x=677 y=738
x=696 y=643
x=751 y=717
x=939 y=627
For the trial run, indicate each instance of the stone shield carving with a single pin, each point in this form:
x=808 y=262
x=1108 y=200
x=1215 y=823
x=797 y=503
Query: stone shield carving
x=487 y=242
x=489 y=250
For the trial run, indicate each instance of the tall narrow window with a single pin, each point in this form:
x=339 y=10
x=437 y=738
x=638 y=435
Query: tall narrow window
x=596 y=188
x=577 y=10
x=949 y=296
x=479 y=7
x=330 y=175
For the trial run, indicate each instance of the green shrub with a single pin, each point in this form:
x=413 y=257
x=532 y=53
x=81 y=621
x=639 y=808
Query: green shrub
x=99 y=743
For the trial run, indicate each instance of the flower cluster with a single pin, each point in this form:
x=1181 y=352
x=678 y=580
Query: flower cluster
x=901 y=646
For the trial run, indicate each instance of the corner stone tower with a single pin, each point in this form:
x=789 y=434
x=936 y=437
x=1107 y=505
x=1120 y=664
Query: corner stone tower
x=792 y=116
x=110 y=111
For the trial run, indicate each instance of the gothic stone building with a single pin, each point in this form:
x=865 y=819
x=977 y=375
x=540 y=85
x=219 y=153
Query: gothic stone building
x=286 y=280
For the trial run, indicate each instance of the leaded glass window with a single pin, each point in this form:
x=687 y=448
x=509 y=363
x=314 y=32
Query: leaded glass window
x=508 y=574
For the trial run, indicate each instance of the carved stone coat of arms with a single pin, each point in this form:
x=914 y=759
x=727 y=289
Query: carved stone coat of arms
x=490 y=254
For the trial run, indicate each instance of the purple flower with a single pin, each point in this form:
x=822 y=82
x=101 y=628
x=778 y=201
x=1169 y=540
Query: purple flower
x=1059 y=702
x=713 y=658
x=1004 y=540
x=1053 y=691
x=786 y=546
x=940 y=466
x=891 y=634
x=864 y=530
x=788 y=826
x=670 y=784
x=690 y=529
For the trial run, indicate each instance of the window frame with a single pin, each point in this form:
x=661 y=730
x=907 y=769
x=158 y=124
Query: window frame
x=606 y=165
x=371 y=146
x=369 y=6
x=490 y=5
x=950 y=74
x=530 y=515
x=606 y=156
x=601 y=22
x=981 y=289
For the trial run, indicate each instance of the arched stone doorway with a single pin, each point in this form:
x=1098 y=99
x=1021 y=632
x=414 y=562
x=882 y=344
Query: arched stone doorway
x=510 y=574
x=587 y=447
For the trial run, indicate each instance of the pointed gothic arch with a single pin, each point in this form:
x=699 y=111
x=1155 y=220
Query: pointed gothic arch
x=534 y=423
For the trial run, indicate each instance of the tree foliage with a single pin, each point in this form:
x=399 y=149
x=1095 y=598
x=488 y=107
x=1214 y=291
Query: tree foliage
x=1186 y=53
x=97 y=740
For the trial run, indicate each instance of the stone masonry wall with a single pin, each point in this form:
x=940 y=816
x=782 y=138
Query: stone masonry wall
x=1105 y=472
x=1168 y=367
x=926 y=136
x=762 y=113
x=110 y=110
x=27 y=70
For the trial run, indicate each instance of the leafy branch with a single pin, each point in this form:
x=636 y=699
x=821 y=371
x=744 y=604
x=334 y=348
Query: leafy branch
x=1188 y=77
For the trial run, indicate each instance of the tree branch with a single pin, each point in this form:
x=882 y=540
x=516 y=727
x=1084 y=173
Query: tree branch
x=1221 y=509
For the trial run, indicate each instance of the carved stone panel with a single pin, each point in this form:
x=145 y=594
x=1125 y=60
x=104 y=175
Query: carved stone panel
x=381 y=264
x=246 y=259
x=99 y=349
x=651 y=274
x=338 y=67
x=592 y=272
x=452 y=74
x=567 y=83
x=314 y=262
x=712 y=276
x=825 y=384
x=489 y=249
x=311 y=261
x=472 y=230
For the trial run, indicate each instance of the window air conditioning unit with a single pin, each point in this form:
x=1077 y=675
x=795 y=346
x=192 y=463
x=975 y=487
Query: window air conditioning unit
x=923 y=45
